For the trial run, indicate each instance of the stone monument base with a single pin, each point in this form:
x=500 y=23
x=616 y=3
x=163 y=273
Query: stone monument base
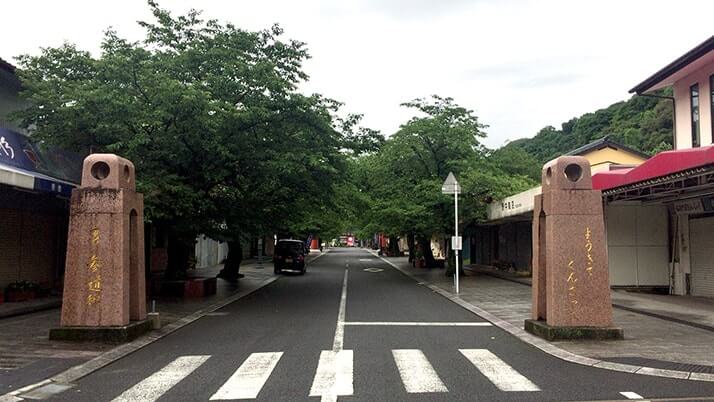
x=118 y=334
x=542 y=329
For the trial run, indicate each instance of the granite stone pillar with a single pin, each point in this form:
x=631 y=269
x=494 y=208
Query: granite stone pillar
x=104 y=283
x=571 y=288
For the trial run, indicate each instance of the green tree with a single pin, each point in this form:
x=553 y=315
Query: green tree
x=211 y=117
x=403 y=180
x=643 y=123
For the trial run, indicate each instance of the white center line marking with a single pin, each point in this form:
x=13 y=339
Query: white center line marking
x=631 y=395
x=152 y=387
x=340 y=329
x=250 y=377
x=417 y=324
x=505 y=377
x=334 y=375
x=418 y=376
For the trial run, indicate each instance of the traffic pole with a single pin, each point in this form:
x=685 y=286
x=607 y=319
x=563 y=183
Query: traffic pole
x=456 y=234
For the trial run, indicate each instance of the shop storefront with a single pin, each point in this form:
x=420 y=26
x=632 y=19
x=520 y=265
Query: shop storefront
x=34 y=210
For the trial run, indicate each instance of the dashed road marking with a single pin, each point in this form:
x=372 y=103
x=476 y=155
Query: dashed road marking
x=334 y=375
x=152 y=387
x=418 y=375
x=631 y=395
x=505 y=377
x=250 y=377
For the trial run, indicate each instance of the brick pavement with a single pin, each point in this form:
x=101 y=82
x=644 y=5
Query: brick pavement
x=27 y=355
x=646 y=338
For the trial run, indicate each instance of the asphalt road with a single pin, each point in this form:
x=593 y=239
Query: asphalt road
x=349 y=332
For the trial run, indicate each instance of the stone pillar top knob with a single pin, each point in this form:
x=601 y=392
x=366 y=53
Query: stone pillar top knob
x=567 y=173
x=108 y=171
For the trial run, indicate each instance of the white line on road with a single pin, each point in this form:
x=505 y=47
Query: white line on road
x=152 y=387
x=417 y=373
x=334 y=375
x=340 y=329
x=505 y=377
x=250 y=377
x=418 y=324
x=631 y=395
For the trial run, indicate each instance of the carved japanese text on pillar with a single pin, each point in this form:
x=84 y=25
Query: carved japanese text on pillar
x=572 y=288
x=588 y=251
x=94 y=285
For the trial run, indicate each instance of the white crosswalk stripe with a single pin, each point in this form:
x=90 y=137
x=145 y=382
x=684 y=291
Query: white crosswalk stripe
x=334 y=374
x=250 y=377
x=152 y=387
x=418 y=376
x=499 y=372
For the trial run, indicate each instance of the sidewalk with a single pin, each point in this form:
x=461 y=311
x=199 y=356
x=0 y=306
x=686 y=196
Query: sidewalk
x=649 y=341
x=28 y=356
x=694 y=311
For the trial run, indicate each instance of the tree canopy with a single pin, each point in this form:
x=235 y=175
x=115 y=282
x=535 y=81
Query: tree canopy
x=403 y=179
x=643 y=123
x=223 y=142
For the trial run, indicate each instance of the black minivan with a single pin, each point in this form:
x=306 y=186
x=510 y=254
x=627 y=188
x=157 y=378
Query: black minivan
x=289 y=255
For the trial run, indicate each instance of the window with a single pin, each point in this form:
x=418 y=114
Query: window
x=711 y=99
x=694 y=97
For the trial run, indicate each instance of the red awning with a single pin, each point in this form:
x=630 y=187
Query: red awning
x=662 y=164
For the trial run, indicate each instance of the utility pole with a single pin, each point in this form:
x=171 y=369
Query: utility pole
x=451 y=186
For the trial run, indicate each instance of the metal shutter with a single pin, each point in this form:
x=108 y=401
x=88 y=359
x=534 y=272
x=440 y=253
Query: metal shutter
x=701 y=240
x=10 y=224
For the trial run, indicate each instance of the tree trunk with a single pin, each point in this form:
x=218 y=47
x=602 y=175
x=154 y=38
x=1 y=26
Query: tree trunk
x=394 y=246
x=231 y=266
x=429 y=259
x=178 y=252
x=411 y=245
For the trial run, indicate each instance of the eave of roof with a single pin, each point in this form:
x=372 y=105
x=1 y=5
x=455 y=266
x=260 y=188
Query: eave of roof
x=7 y=66
x=661 y=165
x=671 y=68
x=606 y=142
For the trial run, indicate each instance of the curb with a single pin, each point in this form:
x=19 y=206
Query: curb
x=77 y=372
x=552 y=349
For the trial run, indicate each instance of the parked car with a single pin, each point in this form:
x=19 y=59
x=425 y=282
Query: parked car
x=290 y=255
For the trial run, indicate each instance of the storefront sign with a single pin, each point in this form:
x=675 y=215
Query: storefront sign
x=514 y=205
x=16 y=150
x=686 y=207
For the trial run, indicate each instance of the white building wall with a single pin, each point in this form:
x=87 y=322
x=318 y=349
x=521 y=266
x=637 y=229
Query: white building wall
x=638 y=245
x=683 y=111
x=210 y=252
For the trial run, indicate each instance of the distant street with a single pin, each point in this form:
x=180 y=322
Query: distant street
x=354 y=328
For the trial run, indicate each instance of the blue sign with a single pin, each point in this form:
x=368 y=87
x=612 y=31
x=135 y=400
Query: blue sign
x=52 y=169
x=16 y=150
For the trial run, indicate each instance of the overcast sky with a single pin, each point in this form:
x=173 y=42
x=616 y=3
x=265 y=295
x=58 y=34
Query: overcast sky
x=520 y=64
